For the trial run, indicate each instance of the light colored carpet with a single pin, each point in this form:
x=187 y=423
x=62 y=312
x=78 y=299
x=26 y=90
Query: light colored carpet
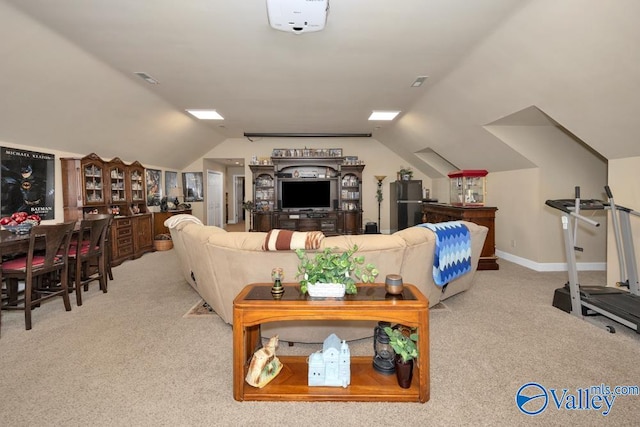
x=130 y=358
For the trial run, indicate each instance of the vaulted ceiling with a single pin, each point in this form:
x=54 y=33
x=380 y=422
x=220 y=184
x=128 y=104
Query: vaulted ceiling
x=68 y=75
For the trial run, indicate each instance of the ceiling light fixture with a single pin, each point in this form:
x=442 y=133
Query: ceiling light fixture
x=146 y=77
x=383 y=115
x=206 y=114
x=418 y=81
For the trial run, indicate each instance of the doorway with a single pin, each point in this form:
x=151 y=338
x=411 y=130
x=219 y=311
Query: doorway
x=238 y=199
x=214 y=199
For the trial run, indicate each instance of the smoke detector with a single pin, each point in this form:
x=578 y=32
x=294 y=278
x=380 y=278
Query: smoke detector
x=298 y=16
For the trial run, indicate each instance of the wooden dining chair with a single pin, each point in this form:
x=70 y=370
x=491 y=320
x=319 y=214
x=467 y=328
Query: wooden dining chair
x=88 y=255
x=108 y=248
x=44 y=269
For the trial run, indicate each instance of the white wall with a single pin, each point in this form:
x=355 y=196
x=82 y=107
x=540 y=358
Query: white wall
x=623 y=181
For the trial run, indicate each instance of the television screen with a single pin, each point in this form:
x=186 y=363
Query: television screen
x=306 y=194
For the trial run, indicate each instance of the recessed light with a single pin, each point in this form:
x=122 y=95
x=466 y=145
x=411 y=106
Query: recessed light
x=206 y=114
x=383 y=115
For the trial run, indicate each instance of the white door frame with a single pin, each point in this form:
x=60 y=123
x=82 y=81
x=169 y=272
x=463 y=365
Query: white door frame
x=214 y=201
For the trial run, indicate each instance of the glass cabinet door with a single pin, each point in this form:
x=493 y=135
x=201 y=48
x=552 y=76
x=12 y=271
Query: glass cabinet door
x=117 y=184
x=350 y=194
x=136 y=176
x=92 y=181
x=264 y=193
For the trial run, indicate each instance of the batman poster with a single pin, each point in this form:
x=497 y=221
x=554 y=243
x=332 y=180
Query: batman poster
x=28 y=182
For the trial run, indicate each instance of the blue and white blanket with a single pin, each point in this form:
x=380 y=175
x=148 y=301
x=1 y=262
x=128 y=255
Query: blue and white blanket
x=452 y=257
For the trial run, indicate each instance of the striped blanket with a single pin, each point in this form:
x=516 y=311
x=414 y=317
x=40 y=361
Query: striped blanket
x=452 y=257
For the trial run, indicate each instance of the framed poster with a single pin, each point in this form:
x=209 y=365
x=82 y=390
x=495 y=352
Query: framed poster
x=192 y=186
x=28 y=182
x=170 y=182
x=154 y=187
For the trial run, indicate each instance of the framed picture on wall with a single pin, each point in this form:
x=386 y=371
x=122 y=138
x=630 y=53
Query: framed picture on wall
x=170 y=181
x=28 y=183
x=192 y=186
x=154 y=187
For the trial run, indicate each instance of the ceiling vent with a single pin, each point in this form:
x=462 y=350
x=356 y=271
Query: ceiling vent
x=298 y=16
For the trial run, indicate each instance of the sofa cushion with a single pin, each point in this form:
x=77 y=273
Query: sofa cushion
x=285 y=240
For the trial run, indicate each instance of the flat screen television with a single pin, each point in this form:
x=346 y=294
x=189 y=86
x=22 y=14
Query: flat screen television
x=312 y=194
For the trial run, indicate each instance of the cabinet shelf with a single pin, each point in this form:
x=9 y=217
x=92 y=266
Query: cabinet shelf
x=366 y=384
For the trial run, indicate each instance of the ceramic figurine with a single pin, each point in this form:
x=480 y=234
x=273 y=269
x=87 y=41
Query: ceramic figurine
x=264 y=365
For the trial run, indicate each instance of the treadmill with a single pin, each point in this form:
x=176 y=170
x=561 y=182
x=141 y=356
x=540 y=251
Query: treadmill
x=621 y=303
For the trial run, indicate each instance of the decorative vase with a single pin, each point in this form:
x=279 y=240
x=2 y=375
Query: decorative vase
x=277 y=289
x=335 y=290
x=277 y=274
x=404 y=372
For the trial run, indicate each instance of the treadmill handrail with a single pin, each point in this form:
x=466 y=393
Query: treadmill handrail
x=585 y=219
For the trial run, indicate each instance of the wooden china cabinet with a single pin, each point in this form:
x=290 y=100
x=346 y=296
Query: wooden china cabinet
x=93 y=185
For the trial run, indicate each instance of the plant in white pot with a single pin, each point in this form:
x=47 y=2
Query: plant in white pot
x=333 y=274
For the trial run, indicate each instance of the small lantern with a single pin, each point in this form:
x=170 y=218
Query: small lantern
x=384 y=358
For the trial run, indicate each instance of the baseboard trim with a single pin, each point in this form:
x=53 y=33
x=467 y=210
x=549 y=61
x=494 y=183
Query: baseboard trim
x=550 y=266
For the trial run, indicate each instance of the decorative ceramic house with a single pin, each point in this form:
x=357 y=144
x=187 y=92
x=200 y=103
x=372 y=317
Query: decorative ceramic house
x=332 y=365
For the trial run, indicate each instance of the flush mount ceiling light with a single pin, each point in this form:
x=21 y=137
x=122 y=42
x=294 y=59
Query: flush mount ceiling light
x=383 y=115
x=206 y=114
x=418 y=81
x=146 y=77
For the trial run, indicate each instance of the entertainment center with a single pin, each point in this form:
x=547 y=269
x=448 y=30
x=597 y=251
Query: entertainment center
x=306 y=190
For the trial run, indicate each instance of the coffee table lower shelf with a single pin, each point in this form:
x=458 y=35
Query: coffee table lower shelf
x=367 y=385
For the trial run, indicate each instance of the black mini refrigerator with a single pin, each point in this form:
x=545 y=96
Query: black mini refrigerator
x=406 y=204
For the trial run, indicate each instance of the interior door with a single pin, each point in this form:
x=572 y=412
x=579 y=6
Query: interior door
x=214 y=199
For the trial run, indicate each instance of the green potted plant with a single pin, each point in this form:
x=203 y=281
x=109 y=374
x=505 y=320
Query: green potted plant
x=405 y=174
x=404 y=345
x=340 y=270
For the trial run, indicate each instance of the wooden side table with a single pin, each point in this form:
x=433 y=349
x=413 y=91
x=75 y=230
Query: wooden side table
x=254 y=305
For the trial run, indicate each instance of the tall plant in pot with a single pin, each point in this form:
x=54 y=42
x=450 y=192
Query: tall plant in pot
x=339 y=270
x=403 y=342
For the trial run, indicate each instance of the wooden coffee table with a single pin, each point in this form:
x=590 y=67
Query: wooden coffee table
x=254 y=306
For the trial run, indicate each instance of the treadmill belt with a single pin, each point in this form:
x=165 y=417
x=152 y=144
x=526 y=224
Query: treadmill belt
x=624 y=305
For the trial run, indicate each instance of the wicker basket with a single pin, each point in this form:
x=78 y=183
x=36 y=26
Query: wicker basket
x=162 y=245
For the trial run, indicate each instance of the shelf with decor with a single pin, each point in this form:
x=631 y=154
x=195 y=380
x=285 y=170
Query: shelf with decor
x=136 y=183
x=264 y=196
x=117 y=185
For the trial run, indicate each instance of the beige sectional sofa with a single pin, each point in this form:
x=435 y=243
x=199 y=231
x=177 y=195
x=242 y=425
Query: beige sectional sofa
x=218 y=264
